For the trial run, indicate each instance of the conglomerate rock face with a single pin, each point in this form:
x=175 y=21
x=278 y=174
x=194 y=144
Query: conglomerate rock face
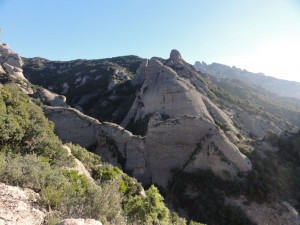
x=179 y=128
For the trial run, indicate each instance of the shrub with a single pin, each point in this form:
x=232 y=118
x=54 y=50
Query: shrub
x=25 y=130
x=148 y=210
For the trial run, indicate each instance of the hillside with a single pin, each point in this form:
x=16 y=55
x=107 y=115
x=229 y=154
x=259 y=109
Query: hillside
x=100 y=88
x=218 y=151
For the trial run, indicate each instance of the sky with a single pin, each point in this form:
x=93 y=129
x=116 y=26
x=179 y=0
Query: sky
x=257 y=35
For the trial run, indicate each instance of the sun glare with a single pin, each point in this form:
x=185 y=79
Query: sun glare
x=276 y=58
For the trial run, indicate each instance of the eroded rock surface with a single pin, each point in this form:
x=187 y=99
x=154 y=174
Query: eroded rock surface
x=16 y=208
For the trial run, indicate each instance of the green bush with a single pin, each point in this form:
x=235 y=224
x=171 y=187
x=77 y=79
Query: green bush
x=148 y=210
x=106 y=173
x=176 y=220
x=25 y=130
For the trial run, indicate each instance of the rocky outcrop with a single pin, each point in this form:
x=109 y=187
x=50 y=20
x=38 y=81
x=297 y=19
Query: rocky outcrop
x=190 y=143
x=78 y=165
x=115 y=144
x=275 y=213
x=50 y=98
x=80 y=222
x=10 y=62
x=2 y=71
x=73 y=126
x=179 y=123
x=182 y=129
x=165 y=92
x=17 y=207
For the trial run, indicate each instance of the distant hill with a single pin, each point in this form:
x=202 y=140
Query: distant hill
x=275 y=85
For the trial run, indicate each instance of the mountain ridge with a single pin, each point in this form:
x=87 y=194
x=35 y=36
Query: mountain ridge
x=276 y=85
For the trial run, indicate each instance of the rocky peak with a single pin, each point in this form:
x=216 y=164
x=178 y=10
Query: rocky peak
x=175 y=55
x=10 y=62
x=170 y=105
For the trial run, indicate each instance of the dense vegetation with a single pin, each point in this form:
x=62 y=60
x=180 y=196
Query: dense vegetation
x=32 y=156
x=88 y=82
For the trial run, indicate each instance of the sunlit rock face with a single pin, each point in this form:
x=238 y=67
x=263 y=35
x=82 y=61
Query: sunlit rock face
x=10 y=62
x=181 y=130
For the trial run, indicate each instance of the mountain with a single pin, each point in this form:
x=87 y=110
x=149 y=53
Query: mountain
x=217 y=149
x=278 y=86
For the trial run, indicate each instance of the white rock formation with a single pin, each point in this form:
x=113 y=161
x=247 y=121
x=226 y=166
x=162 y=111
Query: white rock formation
x=111 y=141
x=181 y=131
x=190 y=143
x=2 y=71
x=165 y=92
x=51 y=98
x=79 y=166
x=11 y=62
x=16 y=207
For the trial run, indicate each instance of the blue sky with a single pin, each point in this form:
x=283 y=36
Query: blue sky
x=258 y=35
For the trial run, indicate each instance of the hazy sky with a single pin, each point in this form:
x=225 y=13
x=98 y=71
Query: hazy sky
x=257 y=35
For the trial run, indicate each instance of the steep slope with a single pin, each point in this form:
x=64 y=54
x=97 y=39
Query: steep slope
x=272 y=84
x=96 y=87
